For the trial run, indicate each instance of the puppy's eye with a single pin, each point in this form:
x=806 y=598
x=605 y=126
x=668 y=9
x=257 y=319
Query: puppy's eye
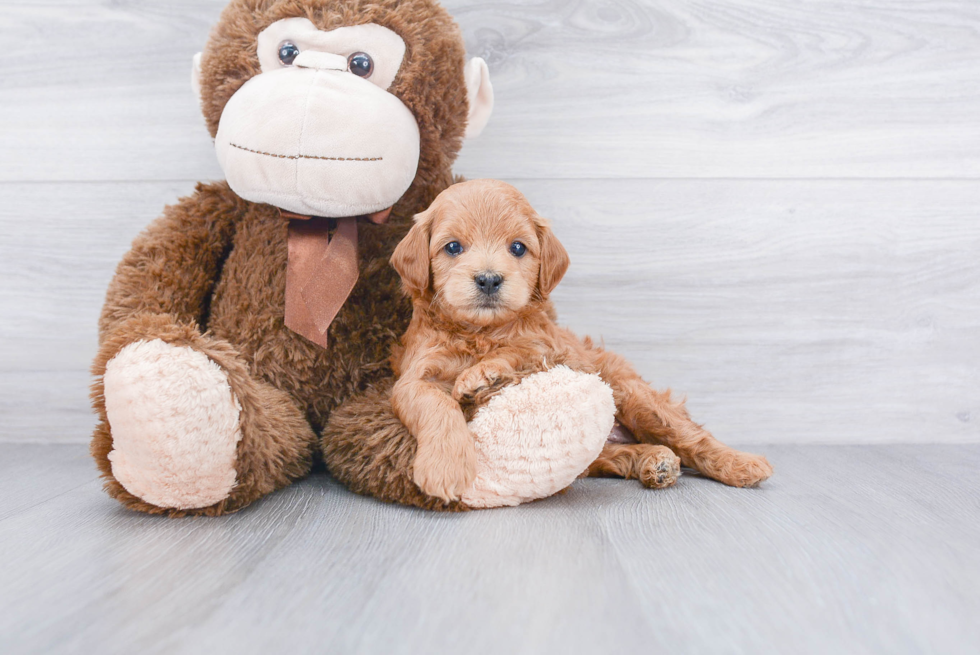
x=361 y=64
x=288 y=52
x=453 y=248
x=518 y=249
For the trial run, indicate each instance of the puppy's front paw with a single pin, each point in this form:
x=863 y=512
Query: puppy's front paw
x=446 y=469
x=475 y=378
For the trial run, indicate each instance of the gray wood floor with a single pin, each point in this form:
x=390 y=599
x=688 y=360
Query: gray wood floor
x=849 y=549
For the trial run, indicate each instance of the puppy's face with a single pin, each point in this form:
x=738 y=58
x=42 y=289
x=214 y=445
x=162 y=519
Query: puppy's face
x=485 y=257
x=480 y=254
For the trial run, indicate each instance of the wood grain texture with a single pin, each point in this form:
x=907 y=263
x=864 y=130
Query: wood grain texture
x=786 y=311
x=804 y=311
x=708 y=166
x=99 y=90
x=61 y=244
x=789 y=310
x=847 y=549
x=795 y=309
x=739 y=88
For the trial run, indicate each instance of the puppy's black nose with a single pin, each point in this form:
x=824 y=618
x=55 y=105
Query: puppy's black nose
x=489 y=283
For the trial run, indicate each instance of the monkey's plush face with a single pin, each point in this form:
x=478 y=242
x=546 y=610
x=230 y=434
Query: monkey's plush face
x=316 y=132
x=339 y=107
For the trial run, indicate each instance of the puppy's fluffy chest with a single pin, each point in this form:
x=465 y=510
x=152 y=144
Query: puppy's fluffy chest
x=533 y=338
x=532 y=342
x=475 y=347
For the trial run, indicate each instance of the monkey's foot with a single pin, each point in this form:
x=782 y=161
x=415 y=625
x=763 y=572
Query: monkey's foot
x=175 y=425
x=534 y=438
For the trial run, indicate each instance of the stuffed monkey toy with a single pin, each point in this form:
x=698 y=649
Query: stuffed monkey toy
x=252 y=309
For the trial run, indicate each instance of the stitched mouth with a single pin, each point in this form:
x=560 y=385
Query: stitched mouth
x=271 y=154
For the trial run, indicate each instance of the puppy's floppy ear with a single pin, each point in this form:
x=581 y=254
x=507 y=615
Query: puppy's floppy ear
x=411 y=257
x=553 y=260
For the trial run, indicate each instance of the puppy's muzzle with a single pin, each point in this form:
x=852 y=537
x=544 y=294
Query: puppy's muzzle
x=489 y=283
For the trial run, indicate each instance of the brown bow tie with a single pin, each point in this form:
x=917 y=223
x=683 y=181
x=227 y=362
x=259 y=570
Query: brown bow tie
x=321 y=271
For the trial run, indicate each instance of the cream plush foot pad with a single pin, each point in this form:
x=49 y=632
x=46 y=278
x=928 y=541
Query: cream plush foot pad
x=534 y=438
x=174 y=423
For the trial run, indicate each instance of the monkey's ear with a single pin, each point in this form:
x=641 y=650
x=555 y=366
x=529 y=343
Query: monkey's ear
x=196 y=76
x=553 y=261
x=411 y=257
x=479 y=93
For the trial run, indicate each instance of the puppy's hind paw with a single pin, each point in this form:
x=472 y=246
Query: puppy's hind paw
x=745 y=470
x=659 y=469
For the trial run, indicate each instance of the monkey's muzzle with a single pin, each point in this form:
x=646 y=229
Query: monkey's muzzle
x=317 y=140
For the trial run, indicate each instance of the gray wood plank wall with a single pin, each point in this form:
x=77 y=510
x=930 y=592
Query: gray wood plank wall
x=772 y=207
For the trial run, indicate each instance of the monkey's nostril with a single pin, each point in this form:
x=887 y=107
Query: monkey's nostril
x=489 y=283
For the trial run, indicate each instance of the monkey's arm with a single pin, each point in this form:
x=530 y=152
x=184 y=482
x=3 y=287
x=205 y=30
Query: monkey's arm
x=445 y=459
x=185 y=427
x=172 y=266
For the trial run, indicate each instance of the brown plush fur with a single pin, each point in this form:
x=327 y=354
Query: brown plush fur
x=368 y=449
x=460 y=343
x=210 y=274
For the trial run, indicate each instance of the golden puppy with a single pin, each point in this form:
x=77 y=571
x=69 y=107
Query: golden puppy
x=479 y=265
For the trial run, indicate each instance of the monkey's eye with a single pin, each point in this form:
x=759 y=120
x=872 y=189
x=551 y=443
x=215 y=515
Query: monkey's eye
x=518 y=249
x=288 y=53
x=453 y=248
x=361 y=64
